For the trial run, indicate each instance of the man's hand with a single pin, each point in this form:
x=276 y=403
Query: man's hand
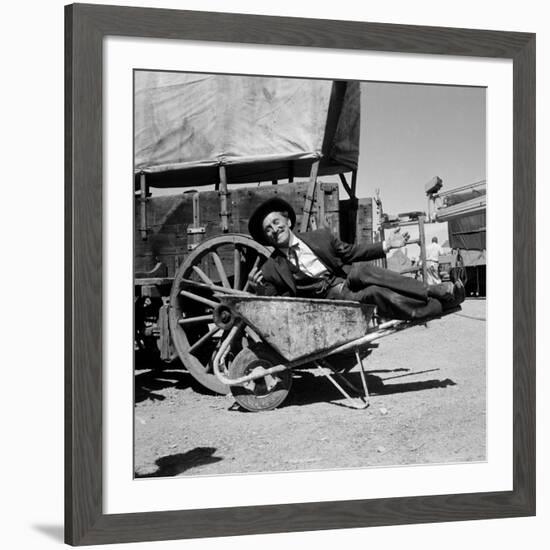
x=396 y=239
x=255 y=278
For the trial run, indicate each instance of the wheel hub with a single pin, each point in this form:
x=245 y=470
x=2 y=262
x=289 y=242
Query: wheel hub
x=263 y=385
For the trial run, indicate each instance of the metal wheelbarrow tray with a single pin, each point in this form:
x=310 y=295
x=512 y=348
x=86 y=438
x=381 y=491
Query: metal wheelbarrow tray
x=297 y=327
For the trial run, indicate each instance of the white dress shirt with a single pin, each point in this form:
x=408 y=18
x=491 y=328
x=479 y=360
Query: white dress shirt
x=434 y=250
x=308 y=262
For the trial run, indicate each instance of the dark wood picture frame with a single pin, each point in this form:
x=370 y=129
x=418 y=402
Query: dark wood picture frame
x=85 y=28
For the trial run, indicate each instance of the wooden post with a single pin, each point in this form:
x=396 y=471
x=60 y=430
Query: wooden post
x=422 y=239
x=224 y=214
x=353 y=183
x=196 y=211
x=164 y=343
x=195 y=232
x=308 y=204
x=321 y=206
x=346 y=186
x=143 y=206
x=382 y=231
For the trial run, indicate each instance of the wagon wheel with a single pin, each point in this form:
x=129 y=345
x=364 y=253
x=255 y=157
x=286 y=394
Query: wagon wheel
x=261 y=394
x=224 y=261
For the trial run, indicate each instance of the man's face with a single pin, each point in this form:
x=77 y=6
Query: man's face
x=276 y=227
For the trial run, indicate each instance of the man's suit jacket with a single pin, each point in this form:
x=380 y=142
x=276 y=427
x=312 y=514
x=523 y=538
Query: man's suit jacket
x=331 y=251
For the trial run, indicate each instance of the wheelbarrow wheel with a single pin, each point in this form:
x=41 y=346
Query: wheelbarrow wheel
x=262 y=394
x=223 y=261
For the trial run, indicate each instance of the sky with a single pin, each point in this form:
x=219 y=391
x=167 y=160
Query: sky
x=411 y=133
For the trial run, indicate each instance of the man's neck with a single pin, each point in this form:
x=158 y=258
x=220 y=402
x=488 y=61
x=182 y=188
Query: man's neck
x=291 y=242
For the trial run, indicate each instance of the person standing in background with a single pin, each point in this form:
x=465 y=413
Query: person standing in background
x=433 y=251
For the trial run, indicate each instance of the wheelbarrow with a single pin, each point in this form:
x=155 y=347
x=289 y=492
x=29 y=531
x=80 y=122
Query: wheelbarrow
x=288 y=333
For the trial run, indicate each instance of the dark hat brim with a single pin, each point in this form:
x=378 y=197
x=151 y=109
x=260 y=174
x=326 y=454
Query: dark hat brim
x=274 y=204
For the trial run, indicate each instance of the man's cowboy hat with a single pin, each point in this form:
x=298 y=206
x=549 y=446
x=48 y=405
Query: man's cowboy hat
x=271 y=205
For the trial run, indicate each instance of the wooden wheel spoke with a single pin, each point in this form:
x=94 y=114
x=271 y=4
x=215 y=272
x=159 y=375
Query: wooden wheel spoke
x=203 y=339
x=198 y=298
x=195 y=320
x=214 y=288
x=236 y=268
x=252 y=335
x=207 y=280
x=219 y=268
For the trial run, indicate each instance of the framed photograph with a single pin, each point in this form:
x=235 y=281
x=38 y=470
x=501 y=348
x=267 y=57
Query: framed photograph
x=277 y=240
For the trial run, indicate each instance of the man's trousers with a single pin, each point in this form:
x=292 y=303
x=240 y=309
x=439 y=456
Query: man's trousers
x=394 y=295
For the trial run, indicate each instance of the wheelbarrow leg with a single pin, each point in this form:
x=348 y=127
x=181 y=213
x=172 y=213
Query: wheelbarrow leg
x=362 y=370
x=362 y=404
x=339 y=376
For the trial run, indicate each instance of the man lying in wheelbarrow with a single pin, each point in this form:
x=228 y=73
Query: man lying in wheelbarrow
x=311 y=266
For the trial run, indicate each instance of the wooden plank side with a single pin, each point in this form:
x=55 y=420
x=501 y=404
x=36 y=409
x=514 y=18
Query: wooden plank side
x=364 y=226
x=327 y=207
x=165 y=344
x=167 y=220
x=169 y=217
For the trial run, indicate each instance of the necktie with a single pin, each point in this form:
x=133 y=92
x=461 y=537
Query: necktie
x=293 y=255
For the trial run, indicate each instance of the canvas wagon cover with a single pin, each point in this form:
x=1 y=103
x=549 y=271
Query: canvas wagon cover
x=187 y=122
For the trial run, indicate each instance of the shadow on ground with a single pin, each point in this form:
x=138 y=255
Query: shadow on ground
x=173 y=465
x=308 y=388
x=149 y=382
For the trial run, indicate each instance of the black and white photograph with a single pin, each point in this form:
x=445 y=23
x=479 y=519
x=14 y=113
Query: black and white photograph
x=309 y=274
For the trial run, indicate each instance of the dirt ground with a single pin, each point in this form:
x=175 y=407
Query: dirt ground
x=427 y=405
